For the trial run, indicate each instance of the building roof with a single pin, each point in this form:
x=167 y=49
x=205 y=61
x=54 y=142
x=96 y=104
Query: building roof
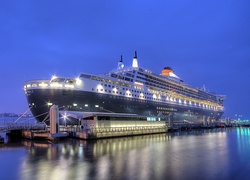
x=81 y=114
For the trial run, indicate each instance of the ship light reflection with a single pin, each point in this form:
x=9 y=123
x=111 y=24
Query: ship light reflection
x=80 y=152
x=53 y=77
x=43 y=84
x=69 y=85
x=103 y=167
x=99 y=88
x=114 y=90
x=78 y=81
x=56 y=85
x=128 y=93
x=141 y=96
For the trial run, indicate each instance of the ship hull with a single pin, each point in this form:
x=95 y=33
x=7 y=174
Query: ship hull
x=74 y=100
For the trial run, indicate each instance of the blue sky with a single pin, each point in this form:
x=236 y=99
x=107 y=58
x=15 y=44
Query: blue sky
x=205 y=42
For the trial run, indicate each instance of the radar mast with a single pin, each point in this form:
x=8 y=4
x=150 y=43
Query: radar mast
x=135 y=61
x=120 y=64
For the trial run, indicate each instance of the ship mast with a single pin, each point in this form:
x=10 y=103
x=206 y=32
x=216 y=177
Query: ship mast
x=135 y=61
x=120 y=64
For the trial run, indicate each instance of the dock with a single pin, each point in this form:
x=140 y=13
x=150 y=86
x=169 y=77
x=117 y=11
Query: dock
x=104 y=125
x=78 y=132
x=33 y=133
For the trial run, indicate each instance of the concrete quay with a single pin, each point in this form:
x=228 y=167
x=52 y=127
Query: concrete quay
x=115 y=132
x=91 y=134
x=106 y=125
x=32 y=134
x=109 y=132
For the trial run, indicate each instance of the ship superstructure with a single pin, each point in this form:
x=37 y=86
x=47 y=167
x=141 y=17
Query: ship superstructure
x=132 y=90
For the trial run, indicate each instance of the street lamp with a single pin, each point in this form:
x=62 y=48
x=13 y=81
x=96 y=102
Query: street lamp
x=65 y=119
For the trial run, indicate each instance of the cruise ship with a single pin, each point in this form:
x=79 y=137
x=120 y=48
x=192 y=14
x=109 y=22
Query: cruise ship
x=127 y=90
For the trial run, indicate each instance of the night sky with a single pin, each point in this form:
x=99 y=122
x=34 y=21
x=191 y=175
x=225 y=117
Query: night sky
x=205 y=42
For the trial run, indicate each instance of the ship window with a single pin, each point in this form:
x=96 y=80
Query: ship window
x=121 y=77
x=127 y=79
x=114 y=75
x=57 y=80
x=127 y=74
x=70 y=81
x=85 y=76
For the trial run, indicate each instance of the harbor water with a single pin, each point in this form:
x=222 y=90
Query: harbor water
x=200 y=154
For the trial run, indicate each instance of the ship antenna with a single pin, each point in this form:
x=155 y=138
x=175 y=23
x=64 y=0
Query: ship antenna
x=120 y=64
x=135 y=55
x=121 y=59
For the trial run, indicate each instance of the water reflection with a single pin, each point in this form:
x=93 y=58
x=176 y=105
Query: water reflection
x=207 y=154
x=243 y=135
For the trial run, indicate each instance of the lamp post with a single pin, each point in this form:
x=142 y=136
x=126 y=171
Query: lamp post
x=65 y=119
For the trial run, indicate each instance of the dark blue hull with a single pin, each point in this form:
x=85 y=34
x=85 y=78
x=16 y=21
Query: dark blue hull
x=73 y=100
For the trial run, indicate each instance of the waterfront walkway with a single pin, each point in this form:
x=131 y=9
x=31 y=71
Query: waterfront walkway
x=21 y=126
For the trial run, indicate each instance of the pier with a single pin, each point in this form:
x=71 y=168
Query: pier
x=33 y=131
x=104 y=125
